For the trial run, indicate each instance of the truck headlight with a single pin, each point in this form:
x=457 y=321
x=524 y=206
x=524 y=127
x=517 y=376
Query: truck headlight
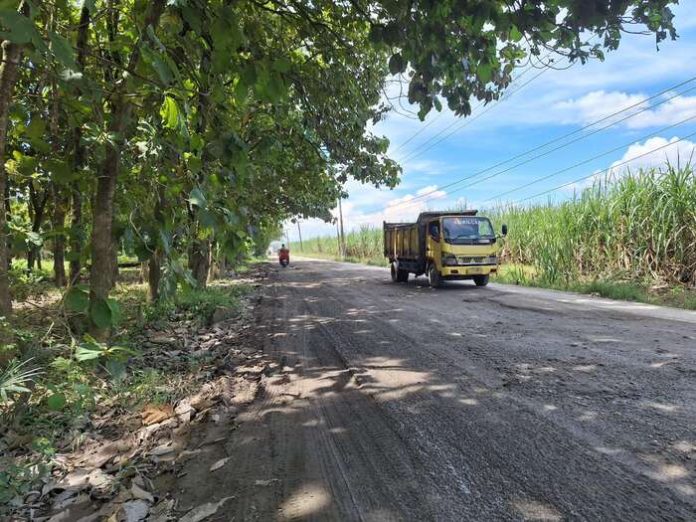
x=449 y=260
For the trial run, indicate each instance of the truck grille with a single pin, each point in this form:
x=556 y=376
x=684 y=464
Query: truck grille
x=479 y=260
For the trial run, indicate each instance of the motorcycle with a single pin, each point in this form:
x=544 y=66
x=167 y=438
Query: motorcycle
x=284 y=258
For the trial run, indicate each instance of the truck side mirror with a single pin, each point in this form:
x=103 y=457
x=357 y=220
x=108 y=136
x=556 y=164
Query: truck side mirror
x=505 y=230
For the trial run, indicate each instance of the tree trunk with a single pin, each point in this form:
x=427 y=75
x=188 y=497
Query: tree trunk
x=114 y=260
x=8 y=218
x=37 y=208
x=200 y=252
x=101 y=271
x=76 y=234
x=154 y=272
x=11 y=55
x=59 y=202
x=199 y=261
x=154 y=275
x=59 y=238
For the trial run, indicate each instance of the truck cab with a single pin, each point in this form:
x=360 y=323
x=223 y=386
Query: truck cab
x=444 y=246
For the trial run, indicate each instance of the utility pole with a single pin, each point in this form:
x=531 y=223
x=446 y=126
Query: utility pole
x=338 y=239
x=343 y=237
x=299 y=233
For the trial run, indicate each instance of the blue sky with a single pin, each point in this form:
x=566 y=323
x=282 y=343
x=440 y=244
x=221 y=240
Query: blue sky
x=556 y=102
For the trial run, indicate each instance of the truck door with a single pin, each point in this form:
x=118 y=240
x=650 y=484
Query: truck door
x=433 y=243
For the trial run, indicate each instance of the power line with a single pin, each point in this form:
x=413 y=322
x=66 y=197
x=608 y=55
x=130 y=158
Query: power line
x=419 y=131
x=567 y=135
x=589 y=160
x=468 y=121
x=422 y=129
x=561 y=171
x=606 y=171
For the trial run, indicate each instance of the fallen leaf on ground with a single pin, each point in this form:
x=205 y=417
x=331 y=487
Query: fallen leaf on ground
x=162 y=449
x=140 y=494
x=219 y=464
x=265 y=482
x=203 y=511
x=135 y=510
x=154 y=414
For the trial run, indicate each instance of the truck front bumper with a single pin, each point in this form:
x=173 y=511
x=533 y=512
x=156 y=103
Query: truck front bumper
x=467 y=271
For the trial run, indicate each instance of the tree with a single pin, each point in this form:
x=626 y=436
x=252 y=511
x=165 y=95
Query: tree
x=11 y=57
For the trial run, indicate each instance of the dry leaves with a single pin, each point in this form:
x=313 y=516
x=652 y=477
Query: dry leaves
x=203 y=511
x=220 y=463
x=154 y=414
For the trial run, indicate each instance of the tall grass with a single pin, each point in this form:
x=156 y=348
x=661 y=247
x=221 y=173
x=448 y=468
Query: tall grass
x=638 y=228
x=364 y=245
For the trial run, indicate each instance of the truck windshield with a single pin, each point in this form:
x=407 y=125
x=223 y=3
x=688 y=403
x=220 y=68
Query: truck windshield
x=467 y=230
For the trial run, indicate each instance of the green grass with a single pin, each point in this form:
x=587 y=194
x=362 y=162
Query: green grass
x=638 y=228
x=362 y=246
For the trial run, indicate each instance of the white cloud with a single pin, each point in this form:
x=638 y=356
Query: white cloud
x=597 y=105
x=675 y=110
x=654 y=152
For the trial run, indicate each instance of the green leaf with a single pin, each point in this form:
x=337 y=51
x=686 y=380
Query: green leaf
x=515 y=34
x=192 y=17
x=70 y=75
x=62 y=50
x=34 y=238
x=484 y=72
x=170 y=113
x=87 y=352
x=21 y=30
x=397 y=64
x=100 y=313
x=56 y=402
x=197 y=198
x=437 y=103
x=36 y=128
x=115 y=309
x=60 y=171
x=207 y=219
x=116 y=369
x=76 y=300
x=159 y=64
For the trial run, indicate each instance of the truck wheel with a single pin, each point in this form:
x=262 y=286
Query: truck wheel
x=434 y=277
x=402 y=275
x=481 y=280
x=394 y=273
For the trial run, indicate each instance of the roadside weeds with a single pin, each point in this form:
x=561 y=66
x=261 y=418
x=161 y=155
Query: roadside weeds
x=106 y=467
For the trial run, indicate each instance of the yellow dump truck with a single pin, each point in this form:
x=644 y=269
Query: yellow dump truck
x=443 y=245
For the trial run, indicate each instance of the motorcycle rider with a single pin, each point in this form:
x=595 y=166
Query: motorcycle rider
x=284 y=254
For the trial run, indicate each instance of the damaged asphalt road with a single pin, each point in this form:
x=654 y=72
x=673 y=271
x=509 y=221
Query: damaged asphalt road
x=398 y=402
